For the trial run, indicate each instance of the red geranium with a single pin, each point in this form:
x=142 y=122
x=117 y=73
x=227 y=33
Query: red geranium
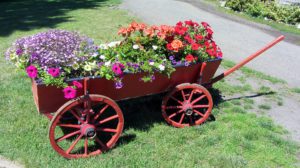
x=199 y=37
x=179 y=24
x=189 y=22
x=189 y=58
x=209 y=32
x=195 y=46
x=180 y=30
x=204 y=24
x=189 y=39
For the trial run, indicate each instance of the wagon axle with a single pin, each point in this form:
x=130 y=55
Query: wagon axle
x=88 y=130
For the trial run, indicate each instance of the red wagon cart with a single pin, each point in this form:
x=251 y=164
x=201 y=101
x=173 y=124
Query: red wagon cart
x=93 y=122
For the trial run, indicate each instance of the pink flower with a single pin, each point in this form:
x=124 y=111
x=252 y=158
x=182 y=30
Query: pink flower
x=54 y=72
x=117 y=68
x=69 y=92
x=31 y=71
x=77 y=84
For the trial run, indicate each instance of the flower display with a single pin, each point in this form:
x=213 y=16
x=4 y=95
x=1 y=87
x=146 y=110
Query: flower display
x=56 y=56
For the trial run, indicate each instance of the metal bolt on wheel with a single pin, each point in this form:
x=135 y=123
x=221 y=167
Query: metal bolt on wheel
x=86 y=126
x=187 y=105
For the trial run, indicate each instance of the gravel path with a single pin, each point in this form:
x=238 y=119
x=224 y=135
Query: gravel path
x=4 y=163
x=236 y=37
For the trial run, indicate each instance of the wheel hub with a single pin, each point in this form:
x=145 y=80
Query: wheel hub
x=88 y=130
x=187 y=108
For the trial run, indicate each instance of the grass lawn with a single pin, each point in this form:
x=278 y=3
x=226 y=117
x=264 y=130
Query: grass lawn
x=235 y=139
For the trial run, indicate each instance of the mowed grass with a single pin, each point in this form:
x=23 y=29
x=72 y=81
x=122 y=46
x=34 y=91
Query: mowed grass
x=235 y=139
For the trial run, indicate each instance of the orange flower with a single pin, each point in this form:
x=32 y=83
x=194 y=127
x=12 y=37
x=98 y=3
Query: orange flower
x=134 y=25
x=176 y=45
x=141 y=26
x=149 y=32
x=122 y=31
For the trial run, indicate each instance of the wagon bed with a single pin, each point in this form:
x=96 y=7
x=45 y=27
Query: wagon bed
x=48 y=99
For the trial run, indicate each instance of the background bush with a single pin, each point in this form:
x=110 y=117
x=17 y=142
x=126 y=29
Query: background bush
x=269 y=9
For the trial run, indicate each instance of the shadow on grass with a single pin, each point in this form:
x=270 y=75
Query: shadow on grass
x=251 y=96
x=28 y=15
x=142 y=113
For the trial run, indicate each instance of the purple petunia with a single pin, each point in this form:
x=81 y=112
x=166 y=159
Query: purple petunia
x=19 y=52
x=186 y=63
x=171 y=58
x=118 y=84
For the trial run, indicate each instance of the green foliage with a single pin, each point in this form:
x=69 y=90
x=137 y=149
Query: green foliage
x=270 y=10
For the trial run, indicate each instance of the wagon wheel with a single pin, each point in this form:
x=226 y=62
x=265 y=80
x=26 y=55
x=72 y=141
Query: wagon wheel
x=86 y=126
x=187 y=105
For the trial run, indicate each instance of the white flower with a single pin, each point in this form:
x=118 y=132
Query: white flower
x=135 y=46
x=102 y=57
x=103 y=46
x=107 y=63
x=87 y=67
x=161 y=67
x=151 y=63
x=114 y=43
x=298 y=26
x=95 y=54
x=75 y=66
x=154 y=47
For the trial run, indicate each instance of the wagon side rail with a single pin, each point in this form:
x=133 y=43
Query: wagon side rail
x=246 y=60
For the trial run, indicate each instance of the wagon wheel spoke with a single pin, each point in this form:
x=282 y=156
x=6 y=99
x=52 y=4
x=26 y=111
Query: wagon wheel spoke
x=198 y=99
x=69 y=125
x=86 y=144
x=176 y=100
x=103 y=146
x=173 y=107
x=182 y=117
x=67 y=136
x=74 y=144
x=107 y=120
x=107 y=130
x=201 y=106
x=101 y=111
x=198 y=112
x=174 y=114
x=191 y=95
x=76 y=116
x=183 y=95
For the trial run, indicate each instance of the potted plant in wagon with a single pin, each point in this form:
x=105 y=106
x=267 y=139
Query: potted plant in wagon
x=149 y=60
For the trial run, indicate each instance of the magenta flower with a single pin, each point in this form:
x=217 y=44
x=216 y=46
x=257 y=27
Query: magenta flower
x=117 y=68
x=31 y=71
x=69 y=92
x=54 y=72
x=77 y=84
